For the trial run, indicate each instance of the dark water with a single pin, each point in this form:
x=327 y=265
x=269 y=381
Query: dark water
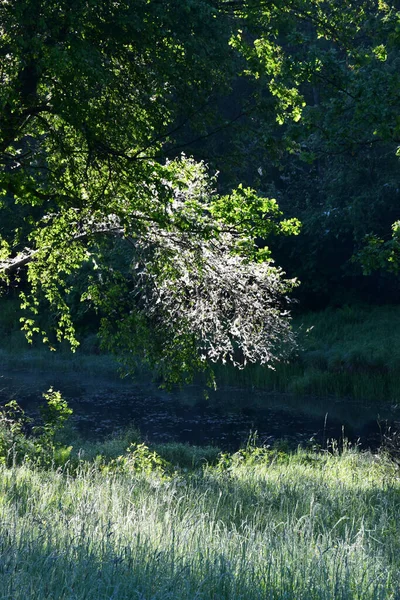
x=103 y=406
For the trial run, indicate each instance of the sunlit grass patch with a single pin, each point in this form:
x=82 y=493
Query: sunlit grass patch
x=258 y=524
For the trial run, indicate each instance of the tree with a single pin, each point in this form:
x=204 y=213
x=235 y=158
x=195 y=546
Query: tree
x=332 y=71
x=92 y=94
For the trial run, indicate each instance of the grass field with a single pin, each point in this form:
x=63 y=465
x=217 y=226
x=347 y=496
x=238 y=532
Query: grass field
x=254 y=525
x=177 y=522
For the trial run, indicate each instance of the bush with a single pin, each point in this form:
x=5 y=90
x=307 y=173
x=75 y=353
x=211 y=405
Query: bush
x=20 y=440
x=14 y=443
x=140 y=459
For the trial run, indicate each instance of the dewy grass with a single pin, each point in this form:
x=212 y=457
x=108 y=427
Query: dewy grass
x=258 y=525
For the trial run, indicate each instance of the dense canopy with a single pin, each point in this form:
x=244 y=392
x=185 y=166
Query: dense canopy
x=91 y=94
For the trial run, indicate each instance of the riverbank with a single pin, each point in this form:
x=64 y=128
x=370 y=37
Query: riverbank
x=179 y=523
x=348 y=352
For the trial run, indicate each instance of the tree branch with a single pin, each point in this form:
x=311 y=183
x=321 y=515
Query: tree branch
x=11 y=265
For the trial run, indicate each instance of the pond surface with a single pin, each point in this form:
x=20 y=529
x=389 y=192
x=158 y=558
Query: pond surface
x=104 y=406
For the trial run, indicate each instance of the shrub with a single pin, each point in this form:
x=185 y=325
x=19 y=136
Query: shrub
x=20 y=440
x=14 y=443
x=140 y=459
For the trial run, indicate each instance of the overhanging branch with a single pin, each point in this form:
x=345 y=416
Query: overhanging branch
x=12 y=265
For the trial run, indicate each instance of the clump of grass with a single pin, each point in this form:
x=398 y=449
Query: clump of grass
x=259 y=524
x=185 y=456
x=108 y=449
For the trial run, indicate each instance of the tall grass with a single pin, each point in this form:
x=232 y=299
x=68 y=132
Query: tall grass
x=352 y=352
x=255 y=526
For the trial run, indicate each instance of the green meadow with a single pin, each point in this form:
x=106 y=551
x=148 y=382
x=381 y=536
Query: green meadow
x=258 y=524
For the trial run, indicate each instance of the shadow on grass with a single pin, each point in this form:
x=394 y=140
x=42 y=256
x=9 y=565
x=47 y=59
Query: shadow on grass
x=221 y=536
